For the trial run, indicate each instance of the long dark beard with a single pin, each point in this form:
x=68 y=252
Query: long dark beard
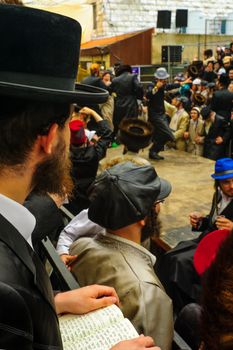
x=53 y=174
x=152 y=226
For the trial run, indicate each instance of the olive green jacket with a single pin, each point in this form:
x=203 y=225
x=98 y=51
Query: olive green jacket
x=128 y=267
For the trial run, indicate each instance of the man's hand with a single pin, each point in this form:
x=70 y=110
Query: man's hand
x=195 y=218
x=86 y=299
x=199 y=139
x=89 y=111
x=219 y=140
x=223 y=223
x=68 y=259
x=139 y=343
x=186 y=135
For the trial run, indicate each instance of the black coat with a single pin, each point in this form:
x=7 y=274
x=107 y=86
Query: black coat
x=97 y=82
x=156 y=100
x=85 y=162
x=175 y=269
x=126 y=89
x=27 y=314
x=49 y=220
x=220 y=127
x=222 y=103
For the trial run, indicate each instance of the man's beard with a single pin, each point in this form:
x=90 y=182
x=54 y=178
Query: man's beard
x=53 y=175
x=152 y=226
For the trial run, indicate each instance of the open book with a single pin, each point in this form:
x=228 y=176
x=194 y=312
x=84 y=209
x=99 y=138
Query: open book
x=97 y=330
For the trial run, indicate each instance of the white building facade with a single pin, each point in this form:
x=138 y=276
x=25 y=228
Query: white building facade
x=113 y=17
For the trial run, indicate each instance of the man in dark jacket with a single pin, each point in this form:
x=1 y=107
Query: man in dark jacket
x=85 y=156
x=175 y=269
x=156 y=112
x=37 y=88
x=94 y=79
x=126 y=90
x=222 y=101
x=216 y=134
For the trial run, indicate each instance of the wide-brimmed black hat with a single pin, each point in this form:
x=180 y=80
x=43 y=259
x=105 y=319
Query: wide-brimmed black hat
x=135 y=133
x=124 y=194
x=40 y=56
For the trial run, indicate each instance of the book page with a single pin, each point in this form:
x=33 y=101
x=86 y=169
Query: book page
x=79 y=326
x=105 y=338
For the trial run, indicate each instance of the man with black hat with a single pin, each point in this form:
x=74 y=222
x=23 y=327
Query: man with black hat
x=216 y=134
x=156 y=112
x=38 y=61
x=123 y=201
x=222 y=101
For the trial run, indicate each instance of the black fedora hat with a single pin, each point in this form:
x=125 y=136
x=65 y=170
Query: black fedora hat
x=135 y=133
x=40 y=55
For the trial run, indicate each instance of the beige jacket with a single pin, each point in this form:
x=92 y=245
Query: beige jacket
x=128 y=267
x=181 y=125
x=195 y=129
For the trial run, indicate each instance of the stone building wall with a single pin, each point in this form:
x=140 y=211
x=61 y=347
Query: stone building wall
x=121 y=16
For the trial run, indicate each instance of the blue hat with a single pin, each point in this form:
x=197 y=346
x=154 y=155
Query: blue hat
x=223 y=169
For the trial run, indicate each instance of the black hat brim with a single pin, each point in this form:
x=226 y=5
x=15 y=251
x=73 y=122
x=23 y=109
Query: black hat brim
x=83 y=94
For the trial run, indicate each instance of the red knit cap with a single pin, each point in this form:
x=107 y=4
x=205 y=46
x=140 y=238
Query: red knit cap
x=77 y=131
x=207 y=250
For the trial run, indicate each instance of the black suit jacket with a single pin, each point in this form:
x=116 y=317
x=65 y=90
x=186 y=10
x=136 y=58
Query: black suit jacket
x=222 y=103
x=127 y=90
x=27 y=315
x=220 y=127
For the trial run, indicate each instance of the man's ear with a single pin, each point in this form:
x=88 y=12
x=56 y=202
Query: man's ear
x=47 y=141
x=142 y=222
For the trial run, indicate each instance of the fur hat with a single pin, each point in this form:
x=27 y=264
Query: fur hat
x=124 y=194
x=135 y=134
x=40 y=55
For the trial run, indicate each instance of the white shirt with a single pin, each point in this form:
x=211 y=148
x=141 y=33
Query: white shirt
x=19 y=216
x=79 y=226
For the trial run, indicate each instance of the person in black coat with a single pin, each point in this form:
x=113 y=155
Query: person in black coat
x=95 y=80
x=175 y=268
x=126 y=90
x=49 y=220
x=35 y=106
x=156 y=112
x=216 y=134
x=85 y=156
x=222 y=101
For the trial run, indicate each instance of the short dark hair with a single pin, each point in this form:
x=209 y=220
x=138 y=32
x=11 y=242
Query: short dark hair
x=21 y=121
x=208 y=52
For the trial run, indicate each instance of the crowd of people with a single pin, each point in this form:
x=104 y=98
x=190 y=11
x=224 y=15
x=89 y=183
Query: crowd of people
x=193 y=113
x=53 y=135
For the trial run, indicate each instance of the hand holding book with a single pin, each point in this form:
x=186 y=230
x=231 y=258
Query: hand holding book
x=100 y=330
x=86 y=299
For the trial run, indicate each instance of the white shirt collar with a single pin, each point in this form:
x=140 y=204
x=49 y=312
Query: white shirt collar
x=19 y=216
x=131 y=243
